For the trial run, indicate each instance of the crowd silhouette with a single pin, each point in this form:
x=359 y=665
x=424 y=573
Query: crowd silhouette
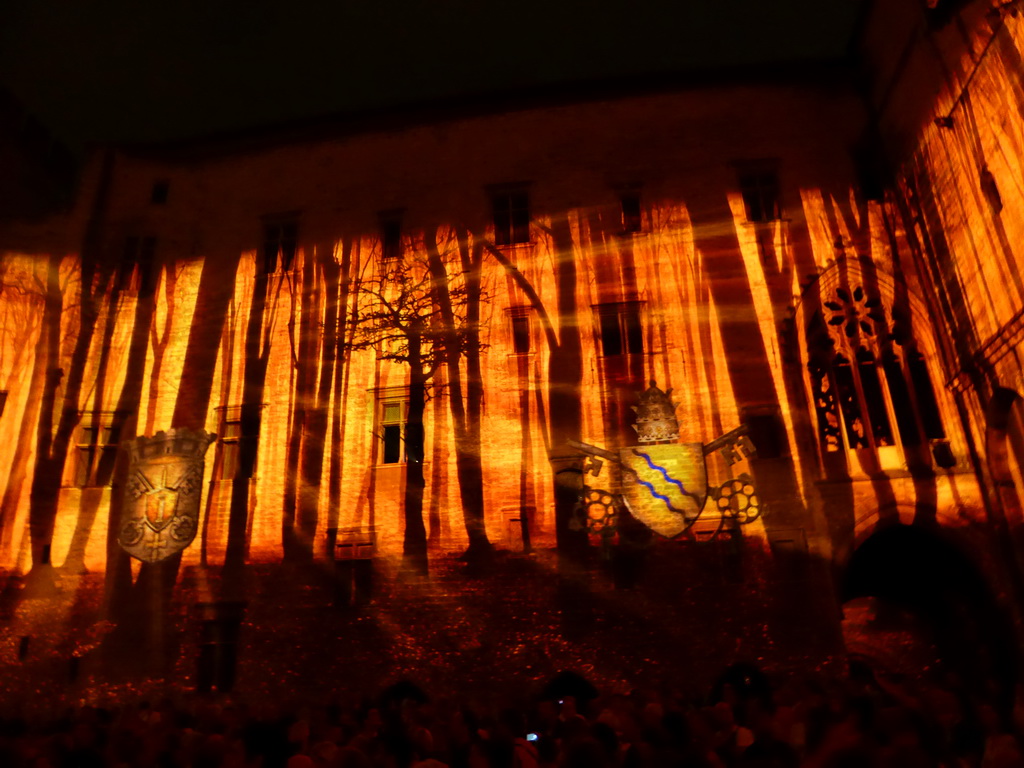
x=865 y=718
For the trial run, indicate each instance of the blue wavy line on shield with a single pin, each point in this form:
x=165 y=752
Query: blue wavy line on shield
x=657 y=495
x=664 y=474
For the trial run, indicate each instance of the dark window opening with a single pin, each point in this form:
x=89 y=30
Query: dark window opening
x=392 y=437
x=621 y=329
x=520 y=334
x=161 y=188
x=631 y=219
x=391 y=240
x=511 y=218
x=760 y=190
x=279 y=242
x=392 y=421
x=611 y=335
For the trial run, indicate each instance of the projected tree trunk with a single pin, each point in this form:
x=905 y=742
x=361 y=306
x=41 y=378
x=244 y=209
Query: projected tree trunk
x=565 y=375
x=462 y=338
x=60 y=385
x=399 y=321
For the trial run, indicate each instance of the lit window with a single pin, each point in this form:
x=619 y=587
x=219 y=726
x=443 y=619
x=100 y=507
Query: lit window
x=621 y=329
x=228 y=437
x=97 y=448
x=392 y=415
x=760 y=189
x=279 y=242
x=511 y=217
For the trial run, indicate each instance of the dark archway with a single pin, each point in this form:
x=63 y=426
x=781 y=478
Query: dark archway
x=919 y=571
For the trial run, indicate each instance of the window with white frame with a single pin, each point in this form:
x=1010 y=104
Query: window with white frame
x=392 y=415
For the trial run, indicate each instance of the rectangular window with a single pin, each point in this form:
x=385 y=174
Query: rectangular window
x=511 y=217
x=520 y=320
x=97 y=448
x=391 y=239
x=392 y=413
x=631 y=219
x=760 y=189
x=521 y=335
x=229 y=435
x=611 y=334
x=621 y=328
x=279 y=242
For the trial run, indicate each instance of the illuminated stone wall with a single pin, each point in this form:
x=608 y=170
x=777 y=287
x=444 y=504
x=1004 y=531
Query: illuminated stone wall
x=948 y=96
x=732 y=311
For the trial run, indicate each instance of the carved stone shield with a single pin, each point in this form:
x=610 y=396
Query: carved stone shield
x=161 y=505
x=665 y=486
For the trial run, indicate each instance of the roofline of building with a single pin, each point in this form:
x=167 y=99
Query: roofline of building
x=812 y=73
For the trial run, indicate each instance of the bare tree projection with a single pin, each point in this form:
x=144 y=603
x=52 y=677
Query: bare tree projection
x=462 y=339
x=400 y=321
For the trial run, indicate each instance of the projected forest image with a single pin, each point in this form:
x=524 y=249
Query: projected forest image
x=662 y=425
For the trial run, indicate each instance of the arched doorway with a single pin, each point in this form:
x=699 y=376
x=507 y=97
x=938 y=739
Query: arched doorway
x=925 y=590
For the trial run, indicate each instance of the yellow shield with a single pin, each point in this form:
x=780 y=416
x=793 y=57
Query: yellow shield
x=665 y=486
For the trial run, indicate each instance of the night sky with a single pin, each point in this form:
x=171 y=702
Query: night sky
x=131 y=70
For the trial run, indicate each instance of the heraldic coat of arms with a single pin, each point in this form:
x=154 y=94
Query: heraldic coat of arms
x=161 y=505
x=664 y=483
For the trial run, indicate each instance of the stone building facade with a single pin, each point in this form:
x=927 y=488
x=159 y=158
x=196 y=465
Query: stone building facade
x=833 y=266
